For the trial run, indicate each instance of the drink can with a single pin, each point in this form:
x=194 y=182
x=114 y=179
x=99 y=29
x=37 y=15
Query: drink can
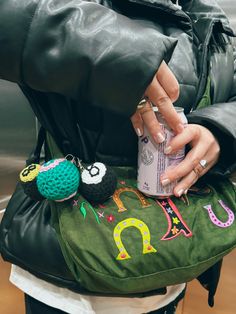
x=153 y=162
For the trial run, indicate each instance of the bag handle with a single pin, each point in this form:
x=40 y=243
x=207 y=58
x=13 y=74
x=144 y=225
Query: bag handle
x=35 y=155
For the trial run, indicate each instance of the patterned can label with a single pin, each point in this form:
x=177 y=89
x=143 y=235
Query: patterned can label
x=152 y=161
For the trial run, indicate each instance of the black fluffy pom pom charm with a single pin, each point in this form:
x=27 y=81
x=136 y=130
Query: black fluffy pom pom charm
x=98 y=182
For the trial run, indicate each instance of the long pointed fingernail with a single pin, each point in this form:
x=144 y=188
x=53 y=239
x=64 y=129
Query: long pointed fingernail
x=180 y=192
x=159 y=138
x=138 y=132
x=168 y=150
x=165 y=182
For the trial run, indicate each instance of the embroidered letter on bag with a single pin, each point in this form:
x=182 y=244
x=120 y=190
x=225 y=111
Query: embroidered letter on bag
x=215 y=220
x=142 y=227
x=119 y=203
x=176 y=224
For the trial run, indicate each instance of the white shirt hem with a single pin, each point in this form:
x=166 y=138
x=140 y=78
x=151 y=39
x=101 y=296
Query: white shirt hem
x=75 y=303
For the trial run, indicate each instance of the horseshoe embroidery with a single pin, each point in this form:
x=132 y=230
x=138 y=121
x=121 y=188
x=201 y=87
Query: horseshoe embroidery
x=142 y=227
x=215 y=220
x=119 y=203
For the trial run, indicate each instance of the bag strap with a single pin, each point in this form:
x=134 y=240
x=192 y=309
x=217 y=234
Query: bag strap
x=36 y=153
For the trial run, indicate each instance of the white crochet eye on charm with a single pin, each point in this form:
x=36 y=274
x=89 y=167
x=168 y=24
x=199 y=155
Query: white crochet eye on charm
x=98 y=182
x=94 y=173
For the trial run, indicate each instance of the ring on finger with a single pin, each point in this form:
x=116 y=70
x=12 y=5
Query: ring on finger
x=202 y=165
x=142 y=103
x=198 y=170
x=144 y=106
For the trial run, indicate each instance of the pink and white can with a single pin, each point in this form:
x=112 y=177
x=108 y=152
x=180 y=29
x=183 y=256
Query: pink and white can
x=152 y=161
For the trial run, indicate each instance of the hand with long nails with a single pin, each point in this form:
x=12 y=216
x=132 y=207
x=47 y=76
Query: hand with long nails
x=162 y=92
x=203 y=155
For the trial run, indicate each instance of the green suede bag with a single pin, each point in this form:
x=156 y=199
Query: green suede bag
x=133 y=243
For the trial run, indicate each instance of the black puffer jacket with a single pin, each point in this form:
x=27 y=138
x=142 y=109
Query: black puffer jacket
x=84 y=66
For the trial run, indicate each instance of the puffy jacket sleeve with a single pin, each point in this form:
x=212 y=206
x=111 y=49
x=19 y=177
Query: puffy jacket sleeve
x=220 y=119
x=80 y=49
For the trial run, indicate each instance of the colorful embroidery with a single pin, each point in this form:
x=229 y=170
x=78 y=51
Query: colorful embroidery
x=75 y=202
x=101 y=206
x=174 y=230
x=142 y=227
x=100 y=214
x=122 y=182
x=84 y=211
x=215 y=220
x=119 y=203
x=110 y=218
x=174 y=219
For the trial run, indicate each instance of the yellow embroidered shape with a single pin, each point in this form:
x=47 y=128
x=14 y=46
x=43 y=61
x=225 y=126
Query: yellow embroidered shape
x=144 y=230
x=119 y=203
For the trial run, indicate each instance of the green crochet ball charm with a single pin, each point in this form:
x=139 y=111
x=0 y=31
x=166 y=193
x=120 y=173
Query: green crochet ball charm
x=58 y=179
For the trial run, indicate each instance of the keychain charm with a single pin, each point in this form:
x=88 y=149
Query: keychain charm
x=98 y=182
x=59 y=180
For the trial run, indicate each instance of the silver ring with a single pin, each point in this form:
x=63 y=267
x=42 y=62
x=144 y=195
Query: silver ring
x=203 y=163
x=142 y=103
x=200 y=167
x=144 y=106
